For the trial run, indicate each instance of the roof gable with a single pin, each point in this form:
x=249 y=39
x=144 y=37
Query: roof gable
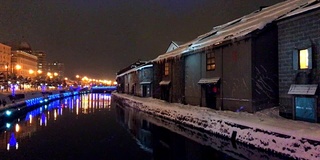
x=173 y=45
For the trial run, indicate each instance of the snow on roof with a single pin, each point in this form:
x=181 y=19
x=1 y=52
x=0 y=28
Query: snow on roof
x=174 y=53
x=137 y=68
x=238 y=27
x=303 y=9
x=173 y=45
x=249 y=23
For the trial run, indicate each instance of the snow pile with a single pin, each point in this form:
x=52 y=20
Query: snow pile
x=263 y=130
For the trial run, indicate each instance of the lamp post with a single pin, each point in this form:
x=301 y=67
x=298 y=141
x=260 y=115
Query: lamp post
x=39 y=79
x=78 y=79
x=6 y=78
x=18 y=67
x=31 y=72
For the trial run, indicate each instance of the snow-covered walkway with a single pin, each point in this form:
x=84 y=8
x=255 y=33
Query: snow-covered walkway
x=263 y=129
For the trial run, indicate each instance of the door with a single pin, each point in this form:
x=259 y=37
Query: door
x=144 y=90
x=211 y=96
x=165 y=92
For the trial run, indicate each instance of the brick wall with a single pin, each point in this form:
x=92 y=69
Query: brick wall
x=298 y=32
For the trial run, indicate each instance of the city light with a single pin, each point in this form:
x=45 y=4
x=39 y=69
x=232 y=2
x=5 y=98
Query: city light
x=18 y=67
x=31 y=71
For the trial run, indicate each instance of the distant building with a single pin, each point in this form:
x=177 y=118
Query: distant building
x=42 y=61
x=23 y=64
x=56 y=67
x=24 y=46
x=5 y=61
x=136 y=79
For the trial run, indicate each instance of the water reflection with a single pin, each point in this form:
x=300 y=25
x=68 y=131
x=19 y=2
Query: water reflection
x=168 y=140
x=23 y=127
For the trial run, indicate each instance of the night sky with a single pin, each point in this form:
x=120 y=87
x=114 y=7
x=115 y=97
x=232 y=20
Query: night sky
x=97 y=38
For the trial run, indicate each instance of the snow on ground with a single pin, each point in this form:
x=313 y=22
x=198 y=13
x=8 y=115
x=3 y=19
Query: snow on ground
x=265 y=129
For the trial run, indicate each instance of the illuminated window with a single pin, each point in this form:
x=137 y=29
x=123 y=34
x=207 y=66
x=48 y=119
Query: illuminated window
x=302 y=59
x=211 y=62
x=166 y=69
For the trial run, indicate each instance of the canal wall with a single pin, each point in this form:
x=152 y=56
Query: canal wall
x=31 y=98
x=264 y=130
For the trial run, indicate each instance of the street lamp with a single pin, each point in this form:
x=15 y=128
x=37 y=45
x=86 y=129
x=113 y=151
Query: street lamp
x=18 y=67
x=31 y=71
x=7 y=72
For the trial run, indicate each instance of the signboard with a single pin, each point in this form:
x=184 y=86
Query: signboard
x=303 y=89
x=164 y=83
x=209 y=80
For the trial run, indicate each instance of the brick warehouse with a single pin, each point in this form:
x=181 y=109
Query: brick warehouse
x=299 y=64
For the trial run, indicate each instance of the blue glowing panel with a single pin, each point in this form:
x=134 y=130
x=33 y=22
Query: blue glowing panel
x=305 y=109
x=12 y=141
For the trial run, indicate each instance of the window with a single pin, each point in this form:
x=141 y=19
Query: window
x=166 y=69
x=211 y=62
x=302 y=59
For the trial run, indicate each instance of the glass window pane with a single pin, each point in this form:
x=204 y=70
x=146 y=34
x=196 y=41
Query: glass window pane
x=303 y=59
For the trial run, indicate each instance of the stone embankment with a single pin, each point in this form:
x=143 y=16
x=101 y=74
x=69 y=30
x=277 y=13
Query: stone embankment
x=263 y=130
x=6 y=102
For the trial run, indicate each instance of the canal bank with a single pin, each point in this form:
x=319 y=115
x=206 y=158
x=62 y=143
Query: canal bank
x=265 y=130
x=27 y=95
x=30 y=98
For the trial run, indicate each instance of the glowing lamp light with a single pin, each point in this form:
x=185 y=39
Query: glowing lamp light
x=8 y=113
x=8 y=125
x=31 y=71
x=17 y=128
x=18 y=67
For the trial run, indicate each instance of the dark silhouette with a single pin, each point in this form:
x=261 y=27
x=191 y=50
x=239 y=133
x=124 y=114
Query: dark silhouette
x=4 y=102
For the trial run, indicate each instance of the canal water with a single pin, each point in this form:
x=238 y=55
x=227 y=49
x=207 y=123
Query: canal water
x=91 y=126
